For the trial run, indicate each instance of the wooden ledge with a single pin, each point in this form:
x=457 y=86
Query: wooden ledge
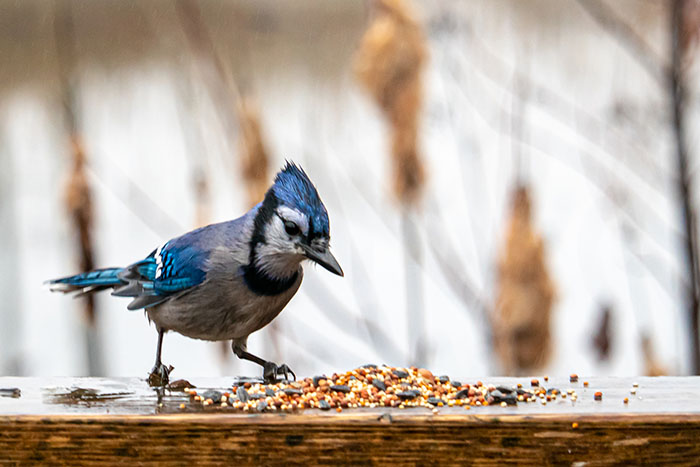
x=124 y=420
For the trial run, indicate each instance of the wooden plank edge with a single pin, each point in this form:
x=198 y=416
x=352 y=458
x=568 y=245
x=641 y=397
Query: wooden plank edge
x=375 y=418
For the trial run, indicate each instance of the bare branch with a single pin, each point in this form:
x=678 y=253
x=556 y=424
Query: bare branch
x=678 y=91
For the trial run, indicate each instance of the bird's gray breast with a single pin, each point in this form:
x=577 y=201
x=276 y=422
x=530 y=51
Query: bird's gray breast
x=223 y=306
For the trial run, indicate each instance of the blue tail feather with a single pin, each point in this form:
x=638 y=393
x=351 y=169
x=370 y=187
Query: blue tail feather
x=98 y=279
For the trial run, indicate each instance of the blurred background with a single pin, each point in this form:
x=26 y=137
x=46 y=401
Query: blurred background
x=511 y=184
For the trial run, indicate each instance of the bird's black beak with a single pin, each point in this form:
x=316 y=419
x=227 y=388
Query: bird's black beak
x=324 y=258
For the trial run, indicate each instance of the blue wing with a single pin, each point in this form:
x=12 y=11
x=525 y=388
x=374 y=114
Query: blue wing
x=170 y=270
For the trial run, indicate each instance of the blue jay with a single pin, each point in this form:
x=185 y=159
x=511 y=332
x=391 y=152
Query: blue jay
x=227 y=280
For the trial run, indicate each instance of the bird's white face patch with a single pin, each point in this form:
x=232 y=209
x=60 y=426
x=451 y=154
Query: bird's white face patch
x=280 y=254
x=299 y=218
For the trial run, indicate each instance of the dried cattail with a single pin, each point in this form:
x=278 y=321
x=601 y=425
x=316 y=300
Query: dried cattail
x=389 y=64
x=603 y=337
x=689 y=28
x=79 y=203
x=522 y=316
x=652 y=366
x=254 y=157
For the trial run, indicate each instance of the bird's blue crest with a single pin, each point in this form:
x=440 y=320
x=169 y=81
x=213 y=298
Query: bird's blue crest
x=293 y=188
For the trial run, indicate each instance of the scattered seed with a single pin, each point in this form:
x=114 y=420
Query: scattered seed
x=10 y=392
x=379 y=384
x=585 y=384
x=574 y=425
x=410 y=394
x=573 y=378
x=242 y=394
x=368 y=386
x=213 y=395
x=534 y=383
x=340 y=388
x=598 y=396
x=625 y=400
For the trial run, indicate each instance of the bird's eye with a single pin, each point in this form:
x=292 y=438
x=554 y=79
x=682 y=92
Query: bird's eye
x=291 y=228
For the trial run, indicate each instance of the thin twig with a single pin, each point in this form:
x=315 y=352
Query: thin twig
x=625 y=34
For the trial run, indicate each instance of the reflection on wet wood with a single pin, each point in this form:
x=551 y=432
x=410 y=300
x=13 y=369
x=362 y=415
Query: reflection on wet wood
x=83 y=420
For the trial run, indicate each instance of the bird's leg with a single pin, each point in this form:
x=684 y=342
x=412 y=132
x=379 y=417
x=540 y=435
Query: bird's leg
x=160 y=374
x=270 y=369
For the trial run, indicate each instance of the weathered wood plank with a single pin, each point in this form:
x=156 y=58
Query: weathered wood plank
x=662 y=426
x=295 y=439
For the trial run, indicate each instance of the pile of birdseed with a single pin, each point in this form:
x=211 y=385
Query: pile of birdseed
x=372 y=386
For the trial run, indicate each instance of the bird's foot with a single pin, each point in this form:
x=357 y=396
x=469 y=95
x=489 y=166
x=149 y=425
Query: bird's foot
x=271 y=371
x=160 y=375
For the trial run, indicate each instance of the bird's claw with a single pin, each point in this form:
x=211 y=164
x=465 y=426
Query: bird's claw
x=159 y=375
x=271 y=371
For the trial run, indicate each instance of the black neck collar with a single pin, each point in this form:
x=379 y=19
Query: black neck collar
x=262 y=284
